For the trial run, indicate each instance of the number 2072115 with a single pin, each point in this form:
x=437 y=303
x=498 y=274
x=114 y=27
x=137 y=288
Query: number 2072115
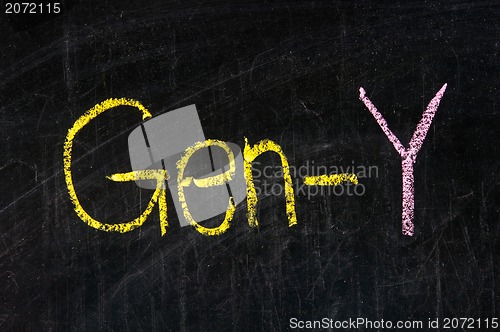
x=32 y=8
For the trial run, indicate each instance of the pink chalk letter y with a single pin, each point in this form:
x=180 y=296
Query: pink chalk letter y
x=408 y=155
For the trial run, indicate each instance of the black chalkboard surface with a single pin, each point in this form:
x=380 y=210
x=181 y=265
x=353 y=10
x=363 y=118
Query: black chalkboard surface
x=286 y=71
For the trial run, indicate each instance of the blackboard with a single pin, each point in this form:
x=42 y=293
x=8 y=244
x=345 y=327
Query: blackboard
x=285 y=71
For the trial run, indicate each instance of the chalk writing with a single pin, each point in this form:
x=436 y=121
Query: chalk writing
x=408 y=155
